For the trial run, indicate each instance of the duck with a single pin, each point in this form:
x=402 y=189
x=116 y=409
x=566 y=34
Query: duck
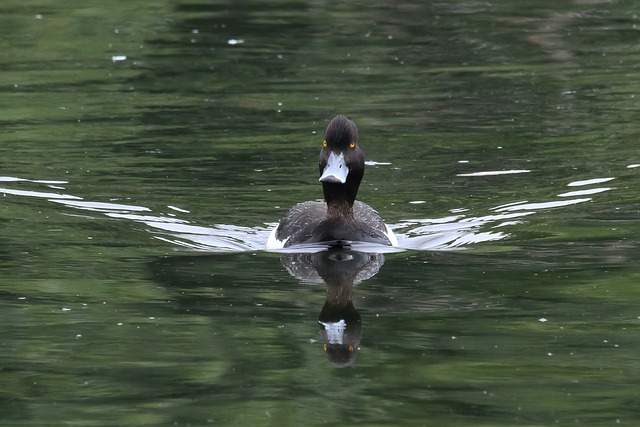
x=340 y=219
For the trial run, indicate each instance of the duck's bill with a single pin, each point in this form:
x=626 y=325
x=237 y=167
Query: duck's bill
x=336 y=170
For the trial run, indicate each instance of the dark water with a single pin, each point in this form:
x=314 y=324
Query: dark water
x=148 y=148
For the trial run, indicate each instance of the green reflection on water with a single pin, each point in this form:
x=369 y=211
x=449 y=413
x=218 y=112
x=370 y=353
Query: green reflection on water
x=103 y=324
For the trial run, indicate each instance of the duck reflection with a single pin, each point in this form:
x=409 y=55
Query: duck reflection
x=340 y=269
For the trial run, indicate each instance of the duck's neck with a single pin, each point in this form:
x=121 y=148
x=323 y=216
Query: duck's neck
x=340 y=208
x=340 y=199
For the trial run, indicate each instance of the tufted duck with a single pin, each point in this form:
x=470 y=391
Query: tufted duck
x=341 y=219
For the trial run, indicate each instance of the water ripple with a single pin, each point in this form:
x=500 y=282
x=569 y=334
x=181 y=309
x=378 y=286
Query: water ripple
x=452 y=232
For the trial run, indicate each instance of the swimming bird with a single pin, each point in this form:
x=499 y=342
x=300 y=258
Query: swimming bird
x=340 y=219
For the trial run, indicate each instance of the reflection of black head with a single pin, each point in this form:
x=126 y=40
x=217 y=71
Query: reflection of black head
x=339 y=321
x=341 y=330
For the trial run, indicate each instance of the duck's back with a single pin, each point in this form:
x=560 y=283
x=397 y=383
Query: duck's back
x=308 y=223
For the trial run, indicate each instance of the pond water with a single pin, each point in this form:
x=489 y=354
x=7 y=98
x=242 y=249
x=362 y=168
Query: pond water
x=149 y=148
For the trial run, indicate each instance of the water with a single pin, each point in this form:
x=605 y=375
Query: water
x=147 y=150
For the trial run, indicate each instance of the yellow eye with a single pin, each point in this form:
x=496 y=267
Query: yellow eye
x=324 y=143
x=353 y=144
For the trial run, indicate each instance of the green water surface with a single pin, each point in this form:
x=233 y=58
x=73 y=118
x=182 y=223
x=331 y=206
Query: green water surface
x=147 y=148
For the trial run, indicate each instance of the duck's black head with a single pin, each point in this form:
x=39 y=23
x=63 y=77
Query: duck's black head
x=341 y=162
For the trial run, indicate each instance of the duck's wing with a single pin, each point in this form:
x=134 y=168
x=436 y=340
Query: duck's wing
x=298 y=225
